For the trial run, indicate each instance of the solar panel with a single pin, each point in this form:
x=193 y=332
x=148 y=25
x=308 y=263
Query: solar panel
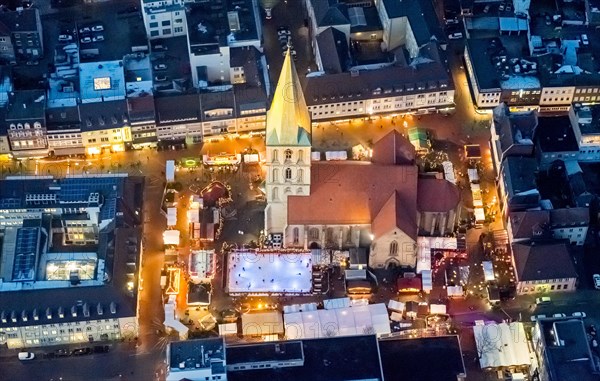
x=79 y=189
x=25 y=254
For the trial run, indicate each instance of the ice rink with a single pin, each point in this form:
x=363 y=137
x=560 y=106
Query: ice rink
x=269 y=272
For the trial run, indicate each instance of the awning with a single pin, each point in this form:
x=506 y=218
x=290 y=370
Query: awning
x=488 y=271
x=500 y=237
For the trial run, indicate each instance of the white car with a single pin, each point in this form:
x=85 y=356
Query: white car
x=98 y=38
x=537 y=317
x=85 y=30
x=453 y=21
x=268 y=13
x=25 y=356
x=579 y=314
x=97 y=28
x=596 y=278
x=543 y=300
x=559 y=315
x=86 y=40
x=455 y=36
x=65 y=38
x=160 y=67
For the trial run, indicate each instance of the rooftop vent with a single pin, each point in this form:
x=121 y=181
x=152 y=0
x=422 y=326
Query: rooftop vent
x=113 y=308
x=86 y=310
x=24 y=316
x=13 y=317
x=61 y=312
x=99 y=309
x=36 y=315
x=48 y=313
x=74 y=311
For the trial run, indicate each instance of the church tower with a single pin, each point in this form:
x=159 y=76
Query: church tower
x=288 y=142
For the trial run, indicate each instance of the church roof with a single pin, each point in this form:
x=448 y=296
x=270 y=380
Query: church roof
x=437 y=195
x=355 y=192
x=395 y=213
x=288 y=119
x=393 y=148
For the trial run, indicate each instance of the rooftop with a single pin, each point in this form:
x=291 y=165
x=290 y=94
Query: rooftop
x=26 y=105
x=555 y=134
x=220 y=23
x=520 y=173
x=101 y=81
x=20 y=21
x=569 y=358
x=418 y=354
x=421 y=17
x=195 y=354
x=536 y=261
x=103 y=115
x=325 y=359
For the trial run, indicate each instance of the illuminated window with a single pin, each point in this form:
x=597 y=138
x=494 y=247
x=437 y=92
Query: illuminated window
x=288 y=173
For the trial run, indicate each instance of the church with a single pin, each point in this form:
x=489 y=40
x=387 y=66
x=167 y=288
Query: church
x=382 y=205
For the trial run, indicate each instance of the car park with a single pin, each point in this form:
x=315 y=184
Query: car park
x=98 y=38
x=86 y=40
x=26 y=356
x=160 y=67
x=455 y=36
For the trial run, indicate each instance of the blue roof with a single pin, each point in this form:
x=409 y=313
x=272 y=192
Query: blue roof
x=26 y=249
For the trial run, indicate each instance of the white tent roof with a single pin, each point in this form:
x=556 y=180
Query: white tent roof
x=479 y=214
x=262 y=323
x=501 y=345
x=170 y=171
x=171 y=237
x=343 y=321
x=488 y=271
x=395 y=316
x=171 y=216
x=439 y=309
x=454 y=290
x=395 y=305
x=473 y=176
x=424 y=246
x=427 y=280
x=331 y=304
x=228 y=329
x=449 y=171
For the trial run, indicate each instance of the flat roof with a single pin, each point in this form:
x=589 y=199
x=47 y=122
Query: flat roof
x=265 y=352
x=417 y=357
x=194 y=354
x=555 y=134
x=325 y=359
x=101 y=81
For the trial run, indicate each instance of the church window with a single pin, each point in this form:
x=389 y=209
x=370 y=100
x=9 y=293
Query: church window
x=288 y=154
x=288 y=174
x=275 y=155
x=313 y=234
x=296 y=235
x=275 y=175
x=300 y=175
x=275 y=194
x=300 y=155
x=329 y=236
x=393 y=249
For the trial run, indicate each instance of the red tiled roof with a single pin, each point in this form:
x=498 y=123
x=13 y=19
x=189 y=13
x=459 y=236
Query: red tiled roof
x=354 y=192
x=395 y=213
x=393 y=148
x=529 y=223
x=437 y=195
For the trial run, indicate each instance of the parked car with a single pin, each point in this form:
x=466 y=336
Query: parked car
x=160 y=47
x=453 y=21
x=160 y=67
x=559 y=315
x=538 y=317
x=455 y=36
x=65 y=38
x=284 y=32
x=101 y=349
x=25 y=356
x=584 y=39
x=85 y=30
x=161 y=78
x=543 y=300
x=86 y=40
x=62 y=353
x=596 y=278
x=268 y=13
x=579 y=314
x=97 y=28
x=98 y=38
x=501 y=7
x=81 y=351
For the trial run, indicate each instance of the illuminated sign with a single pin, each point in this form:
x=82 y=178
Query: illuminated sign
x=102 y=83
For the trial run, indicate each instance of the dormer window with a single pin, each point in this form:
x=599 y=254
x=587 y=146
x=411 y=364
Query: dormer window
x=288 y=154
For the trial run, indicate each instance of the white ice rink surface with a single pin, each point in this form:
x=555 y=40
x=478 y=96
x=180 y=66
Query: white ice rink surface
x=250 y=272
